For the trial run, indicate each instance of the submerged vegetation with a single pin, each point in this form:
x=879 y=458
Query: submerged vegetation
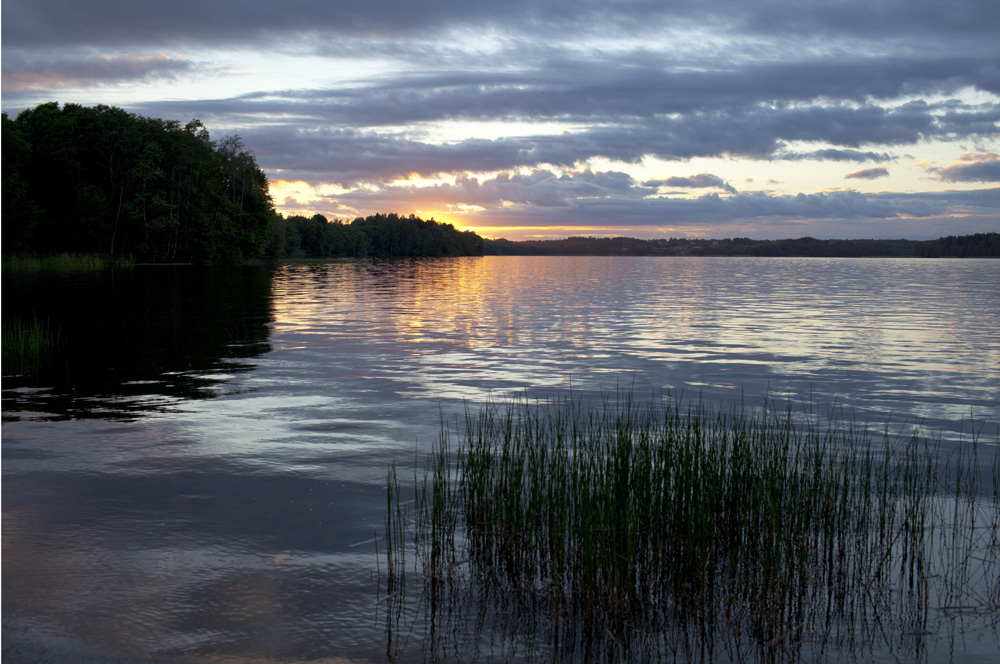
x=558 y=531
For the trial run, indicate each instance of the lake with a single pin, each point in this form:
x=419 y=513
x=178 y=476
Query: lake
x=198 y=472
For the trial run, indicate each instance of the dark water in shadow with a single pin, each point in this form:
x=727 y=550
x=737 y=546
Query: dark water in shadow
x=199 y=473
x=131 y=340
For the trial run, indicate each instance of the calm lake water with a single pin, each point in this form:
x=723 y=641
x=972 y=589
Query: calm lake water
x=198 y=474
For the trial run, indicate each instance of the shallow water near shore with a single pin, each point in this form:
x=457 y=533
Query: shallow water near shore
x=198 y=472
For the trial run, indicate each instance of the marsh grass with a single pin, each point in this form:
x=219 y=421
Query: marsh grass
x=29 y=345
x=636 y=530
x=64 y=261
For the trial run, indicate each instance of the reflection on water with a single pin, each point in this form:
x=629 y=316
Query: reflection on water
x=909 y=337
x=134 y=340
x=142 y=519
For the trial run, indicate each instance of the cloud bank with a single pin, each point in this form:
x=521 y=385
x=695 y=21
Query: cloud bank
x=608 y=113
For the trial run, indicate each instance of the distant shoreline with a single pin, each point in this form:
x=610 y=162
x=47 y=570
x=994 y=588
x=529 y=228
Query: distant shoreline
x=981 y=245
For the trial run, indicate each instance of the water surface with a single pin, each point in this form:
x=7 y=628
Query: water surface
x=199 y=473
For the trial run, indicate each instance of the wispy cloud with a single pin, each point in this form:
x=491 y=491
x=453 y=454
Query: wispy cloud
x=55 y=74
x=868 y=173
x=700 y=181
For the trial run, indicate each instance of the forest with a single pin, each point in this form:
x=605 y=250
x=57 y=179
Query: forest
x=375 y=236
x=980 y=245
x=103 y=181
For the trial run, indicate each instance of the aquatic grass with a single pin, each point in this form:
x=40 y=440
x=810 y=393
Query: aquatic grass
x=29 y=345
x=64 y=261
x=692 y=532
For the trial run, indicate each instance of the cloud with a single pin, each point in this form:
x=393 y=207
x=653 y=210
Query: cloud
x=627 y=89
x=309 y=148
x=590 y=196
x=759 y=209
x=972 y=167
x=49 y=22
x=513 y=105
x=700 y=181
x=714 y=211
x=537 y=188
x=614 y=202
x=624 y=102
x=54 y=74
x=832 y=154
x=868 y=173
x=979 y=201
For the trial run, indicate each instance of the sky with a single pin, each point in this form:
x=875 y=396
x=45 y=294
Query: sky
x=537 y=119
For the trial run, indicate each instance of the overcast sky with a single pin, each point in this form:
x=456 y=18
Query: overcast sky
x=541 y=118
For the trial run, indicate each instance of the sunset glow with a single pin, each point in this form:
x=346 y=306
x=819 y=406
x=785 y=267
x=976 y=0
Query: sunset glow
x=871 y=120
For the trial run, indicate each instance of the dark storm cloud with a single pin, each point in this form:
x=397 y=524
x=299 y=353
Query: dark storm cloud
x=868 y=173
x=973 y=168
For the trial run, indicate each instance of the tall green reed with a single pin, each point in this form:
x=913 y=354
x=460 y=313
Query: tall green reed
x=690 y=529
x=65 y=261
x=29 y=345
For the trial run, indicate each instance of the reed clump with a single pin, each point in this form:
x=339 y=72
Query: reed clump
x=652 y=528
x=19 y=262
x=29 y=344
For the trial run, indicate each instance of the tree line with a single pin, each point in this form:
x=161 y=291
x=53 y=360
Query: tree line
x=377 y=236
x=980 y=245
x=99 y=180
x=104 y=181
x=984 y=245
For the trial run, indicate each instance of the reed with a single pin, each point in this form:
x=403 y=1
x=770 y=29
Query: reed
x=602 y=531
x=28 y=345
x=64 y=261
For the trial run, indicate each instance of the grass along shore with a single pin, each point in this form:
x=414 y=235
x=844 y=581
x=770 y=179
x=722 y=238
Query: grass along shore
x=627 y=530
x=28 y=344
x=64 y=261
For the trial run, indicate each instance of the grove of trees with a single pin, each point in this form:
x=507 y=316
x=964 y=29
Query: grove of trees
x=107 y=182
x=378 y=236
x=979 y=245
x=104 y=181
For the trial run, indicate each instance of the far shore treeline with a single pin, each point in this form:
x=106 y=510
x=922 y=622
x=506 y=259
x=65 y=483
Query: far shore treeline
x=100 y=181
x=980 y=245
